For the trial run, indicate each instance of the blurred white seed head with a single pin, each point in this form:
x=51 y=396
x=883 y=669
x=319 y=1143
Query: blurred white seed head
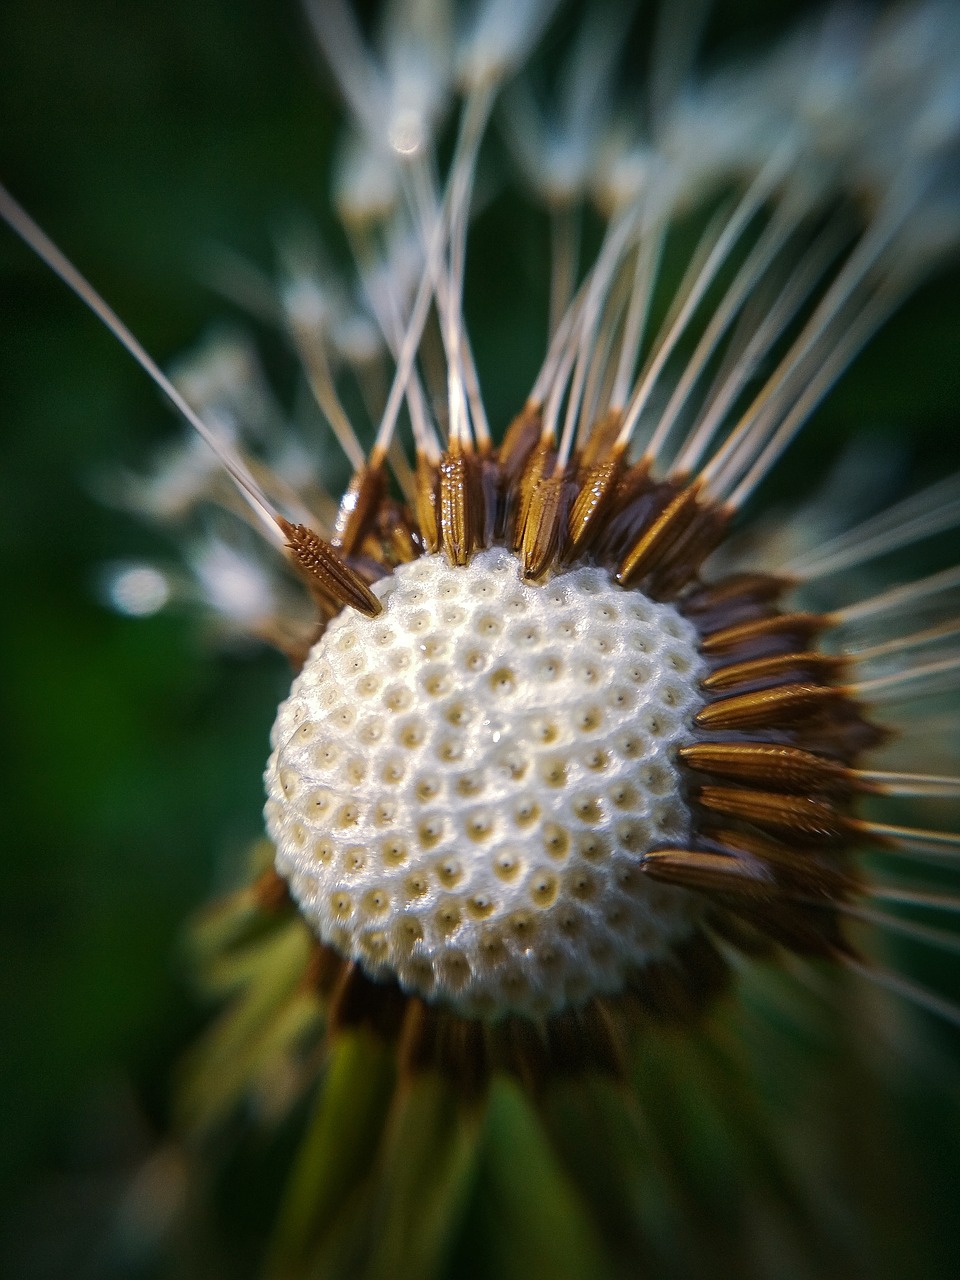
x=497 y=36
x=135 y=589
x=234 y=585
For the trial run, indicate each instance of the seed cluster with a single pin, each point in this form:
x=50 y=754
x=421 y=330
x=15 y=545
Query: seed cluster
x=461 y=788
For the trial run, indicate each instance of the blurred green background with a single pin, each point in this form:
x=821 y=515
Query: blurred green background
x=139 y=136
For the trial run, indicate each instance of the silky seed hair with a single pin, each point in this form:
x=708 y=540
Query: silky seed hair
x=557 y=757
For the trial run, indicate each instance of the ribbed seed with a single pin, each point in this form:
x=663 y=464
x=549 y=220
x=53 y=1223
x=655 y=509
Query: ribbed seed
x=780 y=706
x=784 y=767
x=756 y=669
x=325 y=571
x=804 y=816
x=426 y=503
x=650 y=547
x=358 y=507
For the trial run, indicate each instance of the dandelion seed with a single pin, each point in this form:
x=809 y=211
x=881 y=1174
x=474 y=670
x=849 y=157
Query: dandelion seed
x=136 y=589
x=557 y=766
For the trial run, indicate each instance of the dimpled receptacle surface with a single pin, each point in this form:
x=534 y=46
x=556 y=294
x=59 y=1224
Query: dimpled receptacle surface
x=461 y=789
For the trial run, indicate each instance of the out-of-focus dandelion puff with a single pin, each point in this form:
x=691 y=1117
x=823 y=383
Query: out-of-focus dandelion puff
x=581 y=801
x=138 y=590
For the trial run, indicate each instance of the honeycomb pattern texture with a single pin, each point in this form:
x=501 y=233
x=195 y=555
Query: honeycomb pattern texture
x=461 y=789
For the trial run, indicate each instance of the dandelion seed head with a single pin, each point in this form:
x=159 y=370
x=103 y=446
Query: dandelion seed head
x=137 y=590
x=483 y=761
x=557 y=736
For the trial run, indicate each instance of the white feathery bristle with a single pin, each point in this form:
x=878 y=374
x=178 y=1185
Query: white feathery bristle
x=366 y=183
x=233 y=584
x=497 y=38
x=358 y=76
x=356 y=337
x=212 y=374
x=717 y=133
x=307 y=306
x=224 y=381
x=185 y=475
x=417 y=53
x=556 y=146
x=390 y=281
x=812 y=79
x=627 y=170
